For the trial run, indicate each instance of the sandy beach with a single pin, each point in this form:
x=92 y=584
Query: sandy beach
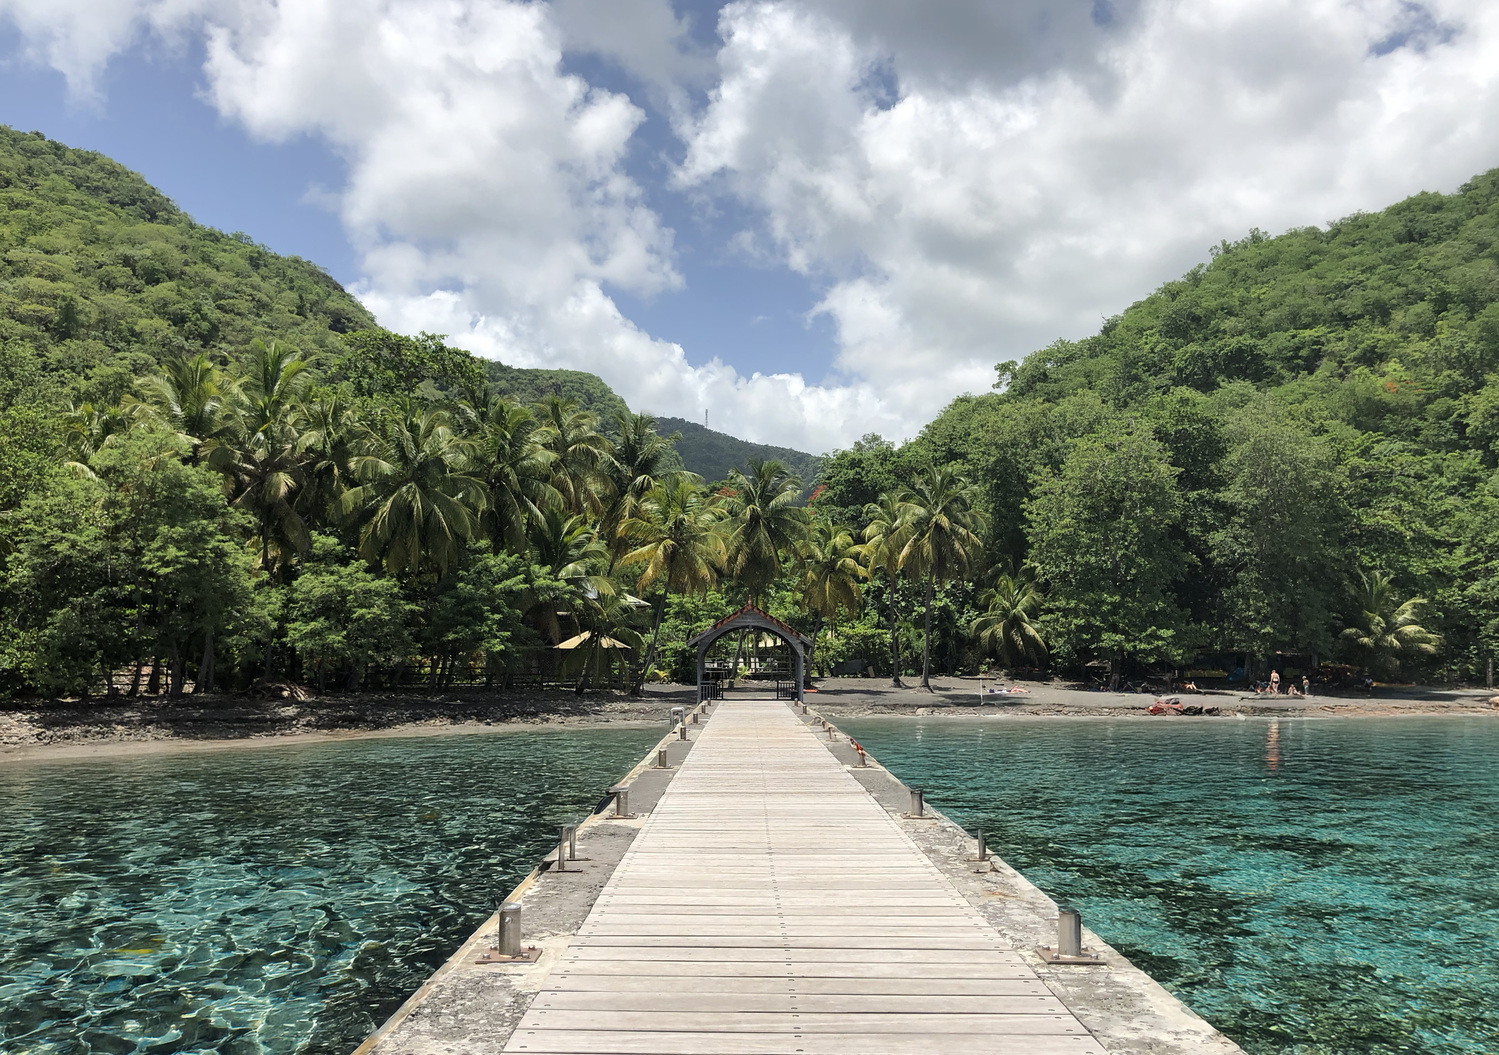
x=74 y=729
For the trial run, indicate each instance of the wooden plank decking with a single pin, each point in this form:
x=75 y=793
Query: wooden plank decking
x=770 y=905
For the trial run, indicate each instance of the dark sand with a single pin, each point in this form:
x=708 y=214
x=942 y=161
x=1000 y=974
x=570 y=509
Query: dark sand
x=58 y=729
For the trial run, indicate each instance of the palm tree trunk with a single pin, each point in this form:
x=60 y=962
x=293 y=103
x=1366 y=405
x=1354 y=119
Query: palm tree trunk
x=812 y=648
x=895 y=682
x=926 y=642
x=738 y=652
x=650 y=653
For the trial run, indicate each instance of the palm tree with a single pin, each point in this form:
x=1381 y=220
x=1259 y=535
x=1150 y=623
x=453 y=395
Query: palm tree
x=88 y=429
x=267 y=463
x=1385 y=629
x=192 y=397
x=326 y=447
x=581 y=455
x=642 y=458
x=417 y=502
x=1006 y=628
x=673 y=531
x=884 y=538
x=831 y=571
x=515 y=467
x=765 y=520
x=568 y=547
x=942 y=541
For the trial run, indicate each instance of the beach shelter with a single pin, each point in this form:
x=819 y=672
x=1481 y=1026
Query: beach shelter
x=751 y=618
x=583 y=639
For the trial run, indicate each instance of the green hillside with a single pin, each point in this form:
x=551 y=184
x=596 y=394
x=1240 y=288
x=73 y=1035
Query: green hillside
x=101 y=277
x=531 y=385
x=215 y=467
x=712 y=455
x=1221 y=467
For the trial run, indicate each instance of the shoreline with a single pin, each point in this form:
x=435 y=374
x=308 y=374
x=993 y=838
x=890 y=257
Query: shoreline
x=58 y=752
x=123 y=728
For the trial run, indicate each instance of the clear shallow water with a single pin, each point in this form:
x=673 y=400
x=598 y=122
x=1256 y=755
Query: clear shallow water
x=1310 y=887
x=266 y=900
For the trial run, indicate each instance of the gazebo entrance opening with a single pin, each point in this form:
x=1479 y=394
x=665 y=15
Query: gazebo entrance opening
x=758 y=654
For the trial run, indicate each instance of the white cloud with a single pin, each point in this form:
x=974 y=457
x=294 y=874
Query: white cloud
x=78 y=37
x=971 y=220
x=488 y=196
x=964 y=182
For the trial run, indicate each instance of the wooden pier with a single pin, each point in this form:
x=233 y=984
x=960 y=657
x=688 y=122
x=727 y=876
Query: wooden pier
x=770 y=905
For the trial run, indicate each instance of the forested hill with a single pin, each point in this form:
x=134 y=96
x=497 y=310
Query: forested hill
x=713 y=454
x=102 y=277
x=1231 y=462
x=530 y=385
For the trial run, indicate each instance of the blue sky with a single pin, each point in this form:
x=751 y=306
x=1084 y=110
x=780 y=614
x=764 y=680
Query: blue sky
x=815 y=218
x=150 y=114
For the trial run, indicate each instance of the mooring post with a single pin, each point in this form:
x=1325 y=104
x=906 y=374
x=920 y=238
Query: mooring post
x=661 y=758
x=509 y=932
x=562 y=848
x=572 y=842
x=917 y=804
x=682 y=731
x=983 y=854
x=1069 y=932
x=622 y=802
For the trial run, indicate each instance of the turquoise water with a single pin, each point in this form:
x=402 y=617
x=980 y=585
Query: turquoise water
x=1310 y=887
x=276 y=899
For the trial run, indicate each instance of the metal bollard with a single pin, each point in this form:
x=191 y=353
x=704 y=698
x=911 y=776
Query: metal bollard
x=1069 y=932
x=695 y=716
x=983 y=854
x=661 y=758
x=682 y=729
x=622 y=802
x=572 y=842
x=509 y=933
x=562 y=848
x=917 y=805
x=832 y=733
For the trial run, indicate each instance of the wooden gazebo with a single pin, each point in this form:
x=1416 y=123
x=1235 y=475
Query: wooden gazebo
x=751 y=618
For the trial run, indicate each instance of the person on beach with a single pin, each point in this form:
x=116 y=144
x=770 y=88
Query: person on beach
x=1306 y=685
x=1275 y=683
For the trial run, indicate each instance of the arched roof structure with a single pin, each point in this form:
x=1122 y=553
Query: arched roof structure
x=751 y=618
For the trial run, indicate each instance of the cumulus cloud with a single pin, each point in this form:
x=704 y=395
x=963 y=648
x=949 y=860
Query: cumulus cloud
x=488 y=196
x=960 y=183
x=959 y=220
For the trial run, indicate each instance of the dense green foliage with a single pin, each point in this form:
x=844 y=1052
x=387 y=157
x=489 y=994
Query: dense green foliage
x=101 y=277
x=714 y=455
x=1222 y=466
x=214 y=469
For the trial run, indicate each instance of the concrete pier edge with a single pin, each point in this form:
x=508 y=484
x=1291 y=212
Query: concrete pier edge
x=464 y=1006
